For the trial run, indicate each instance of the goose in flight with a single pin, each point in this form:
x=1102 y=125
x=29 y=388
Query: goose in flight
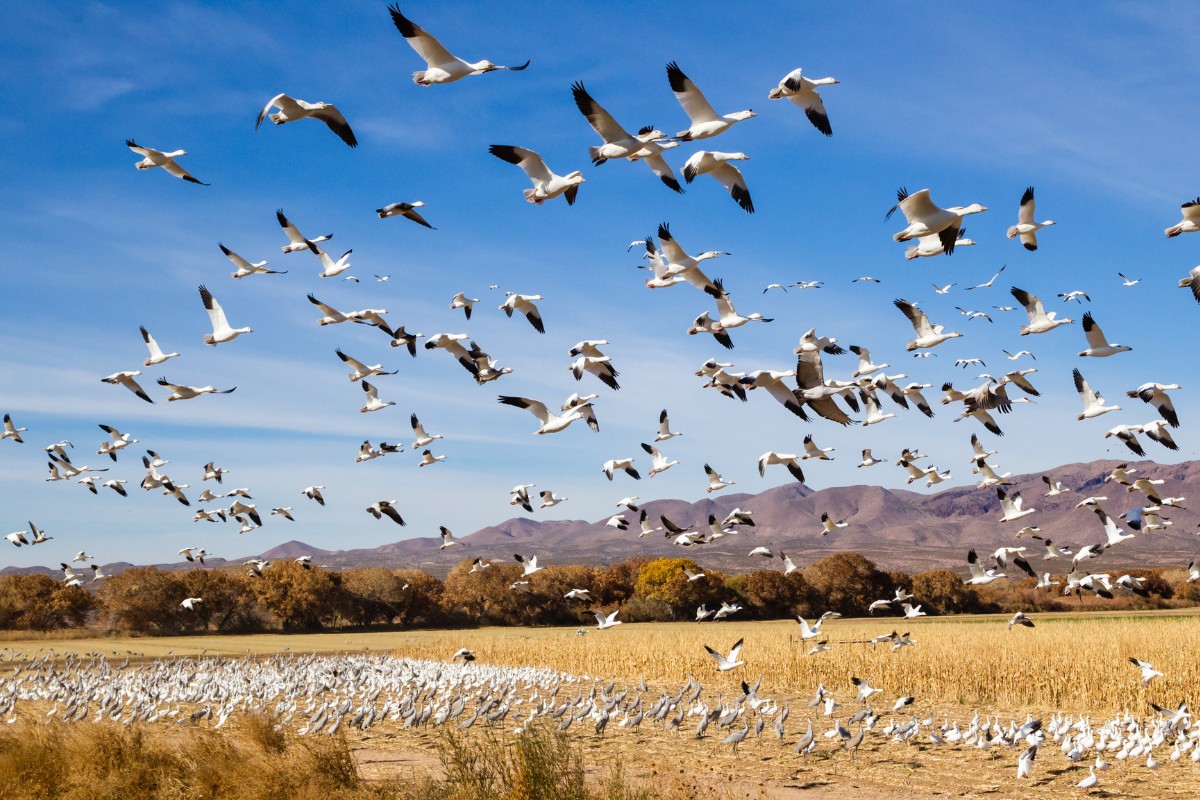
x=1076 y=296
x=528 y=564
x=291 y=109
x=1156 y=395
x=1192 y=281
x=180 y=392
x=868 y=460
x=1149 y=673
x=812 y=451
x=605 y=622
x=1011 y=505
x=931 y=245
x=361 y=370
x=329 y=267
x=1055 y=488
x=715 y=481
x=652 y=154
x=1112 y=532
x=373 y=403
x=283 y=511
x=625 y=464
x=244 y=267
x=1127 y=434
x=429 y=459
x=461 y=300
x=1189 y=224
x=222 y=332
x=546 y=184
x=190 y=603
x=386 y=508
x=450 y=343
x=1039 y=320
x=772 y=382
x=677 y=264
x=156 y=158
x=658 y=462
x=865 y=367
x=440 y=65
x=709 y=162
x=810 y=380
x=926 y=219
x=523 y=304
x=406 y=210
x=727 y=316
x=830 y=525
x=1098 y=345
x=803 y=92
x=331 y=315
x=314 y=493
x=664 y=428
x=117 y=441
x=1018 y=354
x=117 y=485
x=550 y=422
x=705 y=122
x=157 y=356
x=1093 y=401
x=730 y=661
x=988 y=285
x=1026 y=226
x=617 y=141
x=11 y=431
x=928 y=335
x=423 y=438
x=550 y=500
x=296 y=241
x=789 y=460
x=980 y=576
x=600 y=366
x=1157 y=430
x=125 y=379
x=448 y=539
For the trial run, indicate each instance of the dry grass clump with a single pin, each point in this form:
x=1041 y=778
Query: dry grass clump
x=262 y=762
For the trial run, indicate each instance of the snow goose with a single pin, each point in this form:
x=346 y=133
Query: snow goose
x=865 y=367
x=314 y=493
x=440 y=65
x=1011 y=505
x=715 y=481
x=361 y=370
x=297 y=241
x=117 y=485
x=550 y=422
x=402 y=338
x=386 y=508
x=373 y=403
x=830 y=525
x=1112 y=532
x=450 y=343
x=190 y=603
x=1149 y=673
x=406 y=210
x=1189 y=224
x=1156 y=395
x=727 y=315
x=180 y=392
x=1039 y=320
x=423 y=439
x=1055 y=487
x=874 y=413
x=331 y=315
x=625 y=464
x=1127 y=435
x=658 y=462
x=529 y=565
x=125 y=379
x=11 y=431
x=1157 y=430
x=283 y=511
x=428 y=459
x=448 y=539
x=117 y=441
x=980 y=576
x=546 y=184
x=1093 y=401
x=617 y=142
x=927 y=335
x=772 y=382
x=652 y=154
x=811 y=384
x=706 y=324
x=461 y=300
x=664 y=428
x=329 y=267
x=803 y=92
x=1026 y=226
x=677 y=263
x=812 y=451
x=605 y=622
x=222 y=332
x=291 y=109
x=1192 y=281
x=931 y=245
x=244 y=267
x=601 y=367
x=550 y=500
x=705 y=122
x=1018 y=354
x=1098 y=345
x=708 y=162
x=1076 y=296
x=523 y=304
x=156 y=158
x=926 y=219
x=730 y=661
x=157 y=356
x=913 y=392
x=868 y=460
x=789 y=460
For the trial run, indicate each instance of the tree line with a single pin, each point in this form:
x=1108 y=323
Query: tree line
x=293 y=597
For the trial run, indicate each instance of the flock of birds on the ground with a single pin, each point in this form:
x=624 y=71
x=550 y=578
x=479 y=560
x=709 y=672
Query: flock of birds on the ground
x=323 y=694
x=931 y=230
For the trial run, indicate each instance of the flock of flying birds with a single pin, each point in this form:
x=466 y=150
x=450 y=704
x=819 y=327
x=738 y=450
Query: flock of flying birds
x=805 y=391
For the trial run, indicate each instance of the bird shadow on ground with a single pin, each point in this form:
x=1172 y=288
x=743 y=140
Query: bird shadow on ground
x=805 y=786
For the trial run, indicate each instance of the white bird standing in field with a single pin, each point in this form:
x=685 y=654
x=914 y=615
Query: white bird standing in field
x=546 y=184
x=708 y=162
x=1027 y=227
x=803 y=92
x=221 y=330
x=440 y=65
x=705 y=121
x=156 y=158
x=291 y=109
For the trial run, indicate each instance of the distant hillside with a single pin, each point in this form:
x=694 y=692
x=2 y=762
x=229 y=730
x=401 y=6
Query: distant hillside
x=895 y=528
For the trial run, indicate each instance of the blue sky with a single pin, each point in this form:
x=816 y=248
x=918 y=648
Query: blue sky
x=973 y=101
